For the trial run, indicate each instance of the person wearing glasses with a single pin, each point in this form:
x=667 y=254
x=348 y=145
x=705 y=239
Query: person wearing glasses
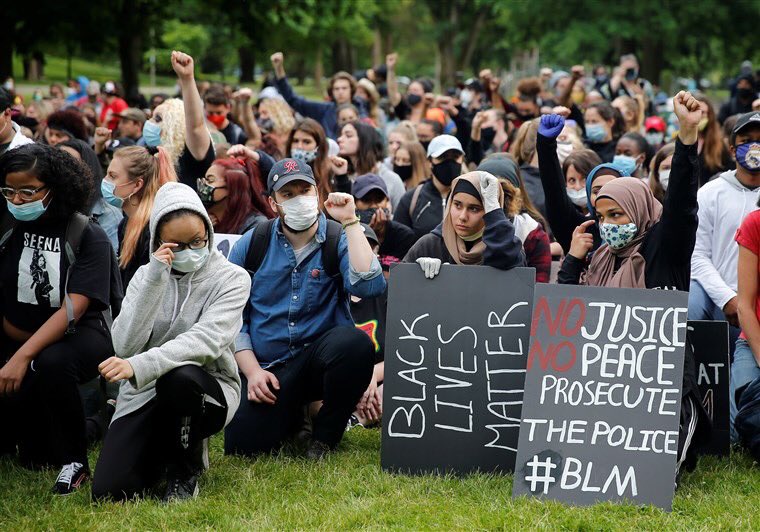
x=44 y=353
x=174 y=344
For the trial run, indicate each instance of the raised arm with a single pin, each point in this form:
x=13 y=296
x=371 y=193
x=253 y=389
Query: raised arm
x=308 y=108
x=393 y=95
x=244 y=115
x=503 y=248
x=197 y=137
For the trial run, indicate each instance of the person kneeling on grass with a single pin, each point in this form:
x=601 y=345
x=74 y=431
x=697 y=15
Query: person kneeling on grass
x=174 y=343
x=474 y=231
x=298 y=343
x=53 y=333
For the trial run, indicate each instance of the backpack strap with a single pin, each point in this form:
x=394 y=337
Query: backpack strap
x=330 y=258
x=74 y=231
x=415 y=198
x=259 y=246
x=7 y=224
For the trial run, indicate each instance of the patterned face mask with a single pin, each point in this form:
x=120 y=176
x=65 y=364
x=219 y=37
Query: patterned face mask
x=618 y=236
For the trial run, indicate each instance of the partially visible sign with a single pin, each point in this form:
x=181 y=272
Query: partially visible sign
x=225 y=242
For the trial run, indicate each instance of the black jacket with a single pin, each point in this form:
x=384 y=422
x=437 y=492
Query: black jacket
x=503 y=248
x=668 y=245
x=427 y=213
x=605 y=150
x=561 y=213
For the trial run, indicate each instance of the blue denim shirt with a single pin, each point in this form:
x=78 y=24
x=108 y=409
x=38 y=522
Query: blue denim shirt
x=293 y=305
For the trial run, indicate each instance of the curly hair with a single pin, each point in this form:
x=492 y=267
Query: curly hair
x=69 y=181
x=69 y=120
x=172 y=113
x=281 y=115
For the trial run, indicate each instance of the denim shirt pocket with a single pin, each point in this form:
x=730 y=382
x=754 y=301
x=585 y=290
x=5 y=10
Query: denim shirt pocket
x=319 y=289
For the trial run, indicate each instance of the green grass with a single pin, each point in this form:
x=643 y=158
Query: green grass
x=349 y=490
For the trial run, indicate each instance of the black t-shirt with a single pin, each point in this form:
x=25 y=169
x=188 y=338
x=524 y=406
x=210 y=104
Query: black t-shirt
x=234 y=133
x=141 y=256
x=369 y=316
x=189 y=169
x=33 y=272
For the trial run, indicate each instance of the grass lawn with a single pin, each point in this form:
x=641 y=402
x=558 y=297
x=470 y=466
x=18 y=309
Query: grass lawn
x=349 y=490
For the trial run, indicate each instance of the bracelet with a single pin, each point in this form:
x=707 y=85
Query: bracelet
x=354 y=222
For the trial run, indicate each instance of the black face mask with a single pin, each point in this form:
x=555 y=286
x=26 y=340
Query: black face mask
x=413 y=99
x=404 y=172
x=206 y=193
x=425 y=144
x=526 y=117
x=744 y=94
x=365 y=215
x=445 y=172
x=487 y=134
x=265 y=125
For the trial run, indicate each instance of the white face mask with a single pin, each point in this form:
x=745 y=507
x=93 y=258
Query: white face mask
x=189 y=260
x=664 y=178
x=300 y=212
x=578 y=197
x=563 y=150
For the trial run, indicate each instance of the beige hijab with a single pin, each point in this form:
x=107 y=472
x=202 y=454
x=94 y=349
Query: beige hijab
x=637 y=201
x=454 y=243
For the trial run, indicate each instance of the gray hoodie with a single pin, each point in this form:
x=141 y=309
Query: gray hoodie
x=170 y=320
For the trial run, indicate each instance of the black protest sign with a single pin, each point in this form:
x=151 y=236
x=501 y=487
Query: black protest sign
x=602 y=395
x=709 y=341
x=455 y=354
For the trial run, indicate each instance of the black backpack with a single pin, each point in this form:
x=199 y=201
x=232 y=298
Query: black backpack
x=259 y=246
x=73 y=239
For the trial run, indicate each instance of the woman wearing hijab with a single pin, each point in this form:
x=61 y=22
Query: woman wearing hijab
x=474 y=231
x=107 y=216
x=648 y=245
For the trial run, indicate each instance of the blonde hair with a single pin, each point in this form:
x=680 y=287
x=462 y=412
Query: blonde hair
x=44 y=109
x=419 y=162
x=281 y=115
x=524 y=146
x=407 y=129
x=173 y=131
x=155 y=171
x=635 y=107
x=374 y=98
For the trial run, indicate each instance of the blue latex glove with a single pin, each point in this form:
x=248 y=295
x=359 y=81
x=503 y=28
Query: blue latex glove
x=551 y=126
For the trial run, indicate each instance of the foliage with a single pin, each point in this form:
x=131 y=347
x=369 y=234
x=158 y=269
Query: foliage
x=349 y=491
x=193 y=39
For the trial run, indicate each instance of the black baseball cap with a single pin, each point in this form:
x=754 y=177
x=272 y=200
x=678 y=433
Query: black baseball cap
x=745 y=120
x=287 y=170
x=366 y=183
x=370 y=234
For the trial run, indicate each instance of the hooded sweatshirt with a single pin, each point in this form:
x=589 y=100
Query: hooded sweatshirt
x=170 y=319
x=723 y=204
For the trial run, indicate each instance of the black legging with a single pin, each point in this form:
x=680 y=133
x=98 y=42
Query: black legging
x=165 y=433
x=45 y=420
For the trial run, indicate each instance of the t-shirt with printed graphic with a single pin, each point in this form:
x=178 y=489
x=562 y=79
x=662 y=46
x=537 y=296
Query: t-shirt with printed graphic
x=369 y=316
x=32 y=273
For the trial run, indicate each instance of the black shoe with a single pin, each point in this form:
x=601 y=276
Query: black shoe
x=317 y=450
x=70 y=478
x=353 y=421
x=181 y=488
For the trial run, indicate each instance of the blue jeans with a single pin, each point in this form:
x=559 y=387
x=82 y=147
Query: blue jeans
x=701 y=307
x=744 y=370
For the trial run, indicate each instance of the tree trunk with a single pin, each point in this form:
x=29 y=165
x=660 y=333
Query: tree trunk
x=319 y=69
x=446 y=48
x=652 y=60
x=6 y=43
x=377 y=48
x=247 y=63
x=299 y=70
x=131 y=24
x=472 y=39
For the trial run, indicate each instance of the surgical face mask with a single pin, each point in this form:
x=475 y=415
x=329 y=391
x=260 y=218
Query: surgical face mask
x=465 y=97
x=445 y=172
x=27 y=212
x=626 y=162
x=703 y=123
x=563 y=150
x=654 y=139
x=300 y=212
x=748 y=155
x=618 y=236
x=307 y=156
x=189 y=260
x=596 y=132
x=107 y=190
x=404 y=172
x=152 y=133
x=664 y=178
x=578 y=197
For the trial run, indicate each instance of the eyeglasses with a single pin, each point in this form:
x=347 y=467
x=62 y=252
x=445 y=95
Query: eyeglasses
x=26 y=194
x=198 y=243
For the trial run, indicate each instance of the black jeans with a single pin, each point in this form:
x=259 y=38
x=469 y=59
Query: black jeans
x=45 y=420
x=336 y=368
x=166 y=433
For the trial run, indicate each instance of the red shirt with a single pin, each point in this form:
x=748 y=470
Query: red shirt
x=107 y=117
x=748 y=236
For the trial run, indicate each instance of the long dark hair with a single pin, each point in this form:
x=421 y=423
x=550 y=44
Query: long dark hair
x=69 y=181
x=246 y=193
x=370 y=148
x=90 y=159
